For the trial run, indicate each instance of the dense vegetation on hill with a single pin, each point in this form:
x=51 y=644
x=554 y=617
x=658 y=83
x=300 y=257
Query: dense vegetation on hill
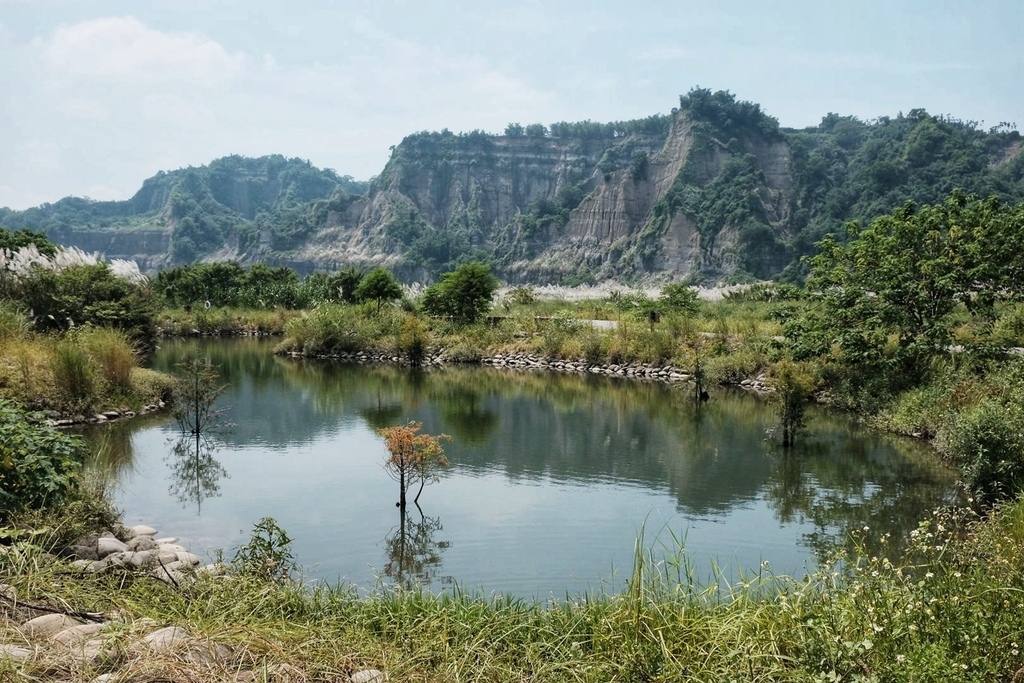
x=716 y=190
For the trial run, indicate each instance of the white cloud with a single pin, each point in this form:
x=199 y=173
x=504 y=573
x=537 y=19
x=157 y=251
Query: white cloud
x=176 y=111
x=40 y=154
x=662 y=53
x=85 y=108
x=125 y=49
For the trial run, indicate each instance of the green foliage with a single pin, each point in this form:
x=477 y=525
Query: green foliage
x=335 y=328
x=888 y=297
x=678 y=297
x=226 y=283
x=379 y=285
x=114 y=356
x=267 y=557
x=464 y=295
x=13 y=321
x=13 y=240
x=987 y=443
x=38 y=464
x=413 y=340
x=727 y=117
x=348 y=280
x=90 y=295
x=793 y=384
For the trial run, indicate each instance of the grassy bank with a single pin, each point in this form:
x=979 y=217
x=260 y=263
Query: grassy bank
x=951 y=611
x=80 y=372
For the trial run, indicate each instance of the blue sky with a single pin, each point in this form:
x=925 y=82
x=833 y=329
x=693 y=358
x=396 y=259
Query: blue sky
x=101 y=94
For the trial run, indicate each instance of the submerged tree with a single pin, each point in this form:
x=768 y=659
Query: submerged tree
x=413 y=457
x=793 y=384
x=196 y=472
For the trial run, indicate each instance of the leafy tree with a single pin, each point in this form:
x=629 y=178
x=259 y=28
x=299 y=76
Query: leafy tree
x=348 y=280
x=90 y=295
x=463 y=294
x=888 y=296
x=536 y=130
x=515 y=130
x=379 y=285
x=266 y=287
x=679 y=297
x=412 y=457
x=13 y=240
x=793 y=384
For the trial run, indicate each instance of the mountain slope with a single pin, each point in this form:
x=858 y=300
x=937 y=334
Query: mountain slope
x=717 y=189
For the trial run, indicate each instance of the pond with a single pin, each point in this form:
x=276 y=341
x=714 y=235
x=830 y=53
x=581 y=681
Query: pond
x=553 y=478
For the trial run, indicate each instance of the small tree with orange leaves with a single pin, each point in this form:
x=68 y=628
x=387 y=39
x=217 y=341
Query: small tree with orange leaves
x=413 y=457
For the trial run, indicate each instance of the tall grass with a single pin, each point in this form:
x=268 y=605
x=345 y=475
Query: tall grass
x=951 y=610
x=73 y=375
x=114 y=355
x=13 y=322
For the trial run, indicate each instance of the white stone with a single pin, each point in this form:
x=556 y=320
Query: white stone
x=140 y=558
x=166 y=557
x=189 y=558
x=47 y=625
x=172 y=548
x=166 y=639
x=368 y=676
x=18 y=654
x=108 y=546
x=141 y=530
x=77 y=634
x=169 y=539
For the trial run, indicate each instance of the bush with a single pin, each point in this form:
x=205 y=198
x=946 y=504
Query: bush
x=413 y=340
x=38 y=464
x=90 y=295
x=987 y=443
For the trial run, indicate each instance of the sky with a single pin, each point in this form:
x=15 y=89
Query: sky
x=98 y=95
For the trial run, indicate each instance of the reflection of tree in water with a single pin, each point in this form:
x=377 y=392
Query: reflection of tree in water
x=839 y=482
x=195 y=473
x=413 y=556
x=464 y=412
x=382 y=415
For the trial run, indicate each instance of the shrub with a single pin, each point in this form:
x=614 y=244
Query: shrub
x=412 y=340
x=987 y=443
x=267 y=556
x=38 y=464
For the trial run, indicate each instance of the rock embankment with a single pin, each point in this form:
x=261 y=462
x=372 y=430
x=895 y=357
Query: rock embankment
x=647 y=371
x=56 y=419
x=107 y=647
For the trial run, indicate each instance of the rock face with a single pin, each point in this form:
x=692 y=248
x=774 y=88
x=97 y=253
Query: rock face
x=717 y=188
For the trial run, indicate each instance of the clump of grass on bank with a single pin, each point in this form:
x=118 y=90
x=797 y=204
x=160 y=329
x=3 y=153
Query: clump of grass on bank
x=84 y=370
x=951 y=610
x=177 y=322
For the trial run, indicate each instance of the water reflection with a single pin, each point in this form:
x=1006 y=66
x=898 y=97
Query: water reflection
x=413 y=555
x=195 y=473
x=544 y=465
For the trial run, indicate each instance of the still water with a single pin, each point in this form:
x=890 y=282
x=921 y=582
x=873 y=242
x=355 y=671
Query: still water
x=552 y=477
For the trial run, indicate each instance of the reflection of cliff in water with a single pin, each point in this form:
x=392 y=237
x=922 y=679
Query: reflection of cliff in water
x=585 y=428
